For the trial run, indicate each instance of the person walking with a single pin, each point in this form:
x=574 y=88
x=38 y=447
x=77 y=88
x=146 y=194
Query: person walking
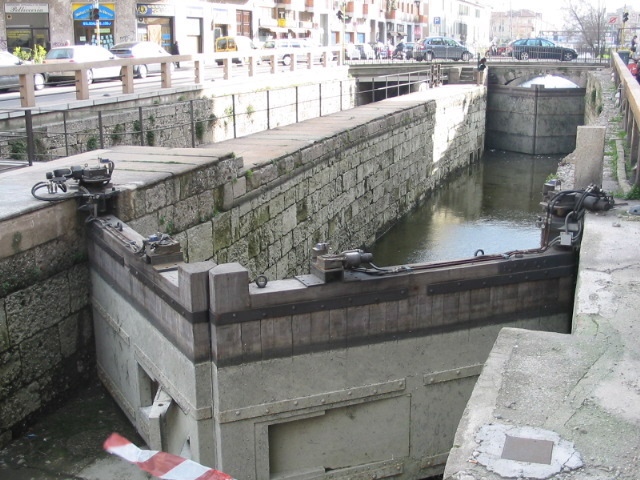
x=175 y=50
x=634 y=43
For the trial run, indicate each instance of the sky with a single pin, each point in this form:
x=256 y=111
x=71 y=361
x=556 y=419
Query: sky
x=552 y=9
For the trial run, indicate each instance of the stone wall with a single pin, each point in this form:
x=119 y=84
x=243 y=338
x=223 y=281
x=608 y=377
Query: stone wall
x=346 y=188
x=46 y=334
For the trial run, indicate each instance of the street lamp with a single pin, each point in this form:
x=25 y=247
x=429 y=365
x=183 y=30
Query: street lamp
x=417 y=3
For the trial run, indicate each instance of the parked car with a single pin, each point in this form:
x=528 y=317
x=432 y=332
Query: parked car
x=441 y=48
x=240 y=44
x=285 y=58
x=12 y=82
x=351 y=52
x=540 y=48
x=366 y=51
x=141 y=50
x=408 y=50
x=85 y=54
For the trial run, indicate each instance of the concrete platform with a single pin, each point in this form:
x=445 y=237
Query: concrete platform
x=567 y=406
x=584 y=387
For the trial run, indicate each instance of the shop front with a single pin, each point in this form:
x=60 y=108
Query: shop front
x=27 y=25
x=156 y=23
x=88 y=30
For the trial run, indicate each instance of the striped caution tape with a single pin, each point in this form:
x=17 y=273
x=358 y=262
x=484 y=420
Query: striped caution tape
x=161 y=464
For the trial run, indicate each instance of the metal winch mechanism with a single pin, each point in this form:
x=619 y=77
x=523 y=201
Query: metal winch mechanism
x=86 y=183
x=330 y=267
x=564 y=210
x=161 y=249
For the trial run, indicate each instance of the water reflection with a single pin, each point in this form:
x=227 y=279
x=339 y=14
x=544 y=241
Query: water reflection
x=492 y=206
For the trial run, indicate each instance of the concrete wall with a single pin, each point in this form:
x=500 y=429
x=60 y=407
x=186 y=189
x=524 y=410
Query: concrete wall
x=514 y=74
x=365 y=376
x=179 y=118
x=534 y=120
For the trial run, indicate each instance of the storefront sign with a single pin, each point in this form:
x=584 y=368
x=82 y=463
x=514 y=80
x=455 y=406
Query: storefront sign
x=91 y=23
x=155 y=10
x=26 y=8
x=82 y=11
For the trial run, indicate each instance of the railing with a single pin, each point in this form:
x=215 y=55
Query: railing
x=396 y=84
x=26 y=73
x=628 y=100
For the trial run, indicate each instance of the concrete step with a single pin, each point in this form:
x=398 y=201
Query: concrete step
x=467 y=75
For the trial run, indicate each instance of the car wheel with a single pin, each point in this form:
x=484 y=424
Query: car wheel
x=89 y=77
x=567 y=56
x=286 y=60
x=142 y=71
x=466 y=56
x=38 y=81
x=219 y=63
x=524 y=56
x=429 y=56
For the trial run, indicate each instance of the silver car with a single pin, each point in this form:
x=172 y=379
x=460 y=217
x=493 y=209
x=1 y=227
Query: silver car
x=11 y=82
x=141 y=50
x=83 y=54
x=433 y=48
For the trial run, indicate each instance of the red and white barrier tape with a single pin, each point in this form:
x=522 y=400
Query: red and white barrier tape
x=161 y=464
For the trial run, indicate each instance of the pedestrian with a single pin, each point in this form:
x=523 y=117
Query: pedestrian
x=634 y=43
x=175 y=50
x=482 y=65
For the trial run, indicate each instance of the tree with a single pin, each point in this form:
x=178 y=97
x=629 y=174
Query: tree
x=588 y=19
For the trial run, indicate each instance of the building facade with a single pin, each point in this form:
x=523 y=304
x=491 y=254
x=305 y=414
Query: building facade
x=196 y=24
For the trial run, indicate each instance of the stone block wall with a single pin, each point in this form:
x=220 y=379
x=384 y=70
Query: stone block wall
x=46 y=333
x=346 y=188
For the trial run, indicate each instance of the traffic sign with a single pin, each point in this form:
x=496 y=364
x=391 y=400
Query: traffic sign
x=436 y=20
x=613 y=20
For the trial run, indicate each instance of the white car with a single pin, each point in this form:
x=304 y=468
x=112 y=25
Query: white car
x=84 y=54
x=351 y=52
x=140 y=50
x=294 y=44
x=12 y=82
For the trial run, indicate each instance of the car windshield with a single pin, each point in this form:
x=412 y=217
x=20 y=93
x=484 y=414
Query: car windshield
x=60 y=53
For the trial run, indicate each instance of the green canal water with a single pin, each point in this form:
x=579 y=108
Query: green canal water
x=493 y=206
